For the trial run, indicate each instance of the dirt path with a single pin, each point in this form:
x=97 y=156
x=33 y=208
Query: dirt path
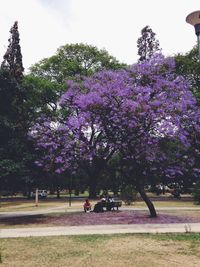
x=100 y=229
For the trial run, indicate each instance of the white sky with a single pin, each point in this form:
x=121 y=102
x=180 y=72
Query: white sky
x=45 y=25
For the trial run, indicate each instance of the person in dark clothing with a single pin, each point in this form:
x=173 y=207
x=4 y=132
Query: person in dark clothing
x=98 y=207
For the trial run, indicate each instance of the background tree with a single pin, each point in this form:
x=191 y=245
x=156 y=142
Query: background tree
x=147 y=44
x=47 y=78
x=188 y=66
x=74 y=59
x=16 y=152
x=13 y=57
x=42 y=96
x=17 y=155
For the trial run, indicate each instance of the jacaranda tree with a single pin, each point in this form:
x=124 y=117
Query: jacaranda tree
x=130 y=113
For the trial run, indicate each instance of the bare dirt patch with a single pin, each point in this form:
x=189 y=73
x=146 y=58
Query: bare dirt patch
x=120 y=217
x=114 y=217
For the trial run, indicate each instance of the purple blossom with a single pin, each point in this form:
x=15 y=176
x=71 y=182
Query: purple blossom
x=131 y=112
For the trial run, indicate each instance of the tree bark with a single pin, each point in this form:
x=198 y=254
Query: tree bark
x=148 y=202
x=92 y=186
x=58 y=192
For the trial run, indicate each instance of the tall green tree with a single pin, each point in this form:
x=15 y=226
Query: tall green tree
x=47 y=78
x=16 y=153
x=42 y=96
x=188 y=66
x=74 y=59
x=13 y=57
x=147 y=44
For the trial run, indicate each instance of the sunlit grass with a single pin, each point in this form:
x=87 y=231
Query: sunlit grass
x=29 y=205
x=102 y=250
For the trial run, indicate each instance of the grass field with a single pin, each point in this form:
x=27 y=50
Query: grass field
x=102 y=250
x=24 y=205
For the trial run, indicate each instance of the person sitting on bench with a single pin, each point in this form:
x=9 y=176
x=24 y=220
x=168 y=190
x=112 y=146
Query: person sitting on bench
x=110 y=203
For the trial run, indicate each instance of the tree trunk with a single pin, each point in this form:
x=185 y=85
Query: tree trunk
x=93 y=186
x=58 y=192
x=148 y=202
x=92 y=191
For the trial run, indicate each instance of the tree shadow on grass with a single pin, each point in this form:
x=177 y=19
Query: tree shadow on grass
x=82 y=218
x=23 y=220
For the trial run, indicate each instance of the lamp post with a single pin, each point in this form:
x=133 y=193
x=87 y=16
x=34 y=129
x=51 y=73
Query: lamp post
x=194 y=19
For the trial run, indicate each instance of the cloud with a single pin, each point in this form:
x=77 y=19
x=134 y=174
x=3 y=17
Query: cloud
x=115 y=25
x=41 y=30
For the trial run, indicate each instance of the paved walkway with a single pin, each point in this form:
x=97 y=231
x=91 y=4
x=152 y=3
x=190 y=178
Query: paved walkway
x=100 y=229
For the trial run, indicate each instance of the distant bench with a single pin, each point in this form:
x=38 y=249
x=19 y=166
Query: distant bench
x=112 y=205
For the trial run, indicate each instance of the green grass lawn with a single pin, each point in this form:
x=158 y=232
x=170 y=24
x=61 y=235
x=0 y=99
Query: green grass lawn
x=29 y=205
x=102 y=250
x=24 y=205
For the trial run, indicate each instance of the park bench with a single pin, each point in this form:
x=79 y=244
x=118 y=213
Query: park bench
x=115 y=204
